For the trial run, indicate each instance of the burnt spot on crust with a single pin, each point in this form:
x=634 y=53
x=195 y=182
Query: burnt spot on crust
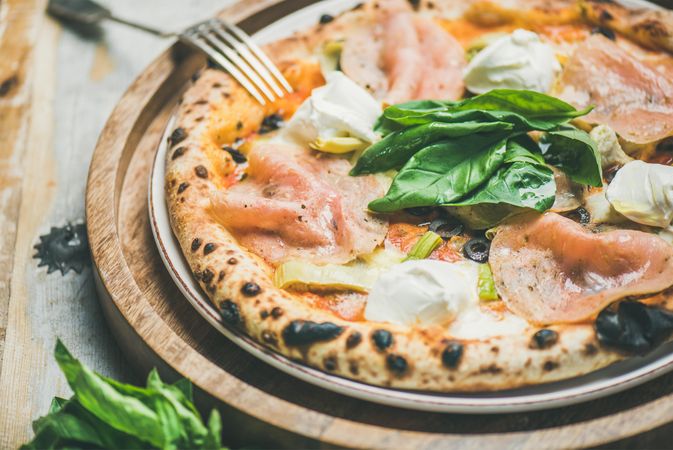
x=231 y=261
x=653 y=28
x=544 y=338
x=397 y=364
x=590 y=349
x=276 y=312
x=353 y=367
x=493 y=369
x=605 y=16
x=230 y=312
x=209 y=248
x=306 y=332
x=207 y=276
x=326 y=18
x=270 y=123
x=220 y=276
x=250 y=289
x=178 y=135
x=550 y=365
x=269 y=337
x=415 y=4
x=8 y=84
x=196 y=244
x=382 y=339
x=330 y=363
x=353 y=340
x=237 y=156
x=201 y=171
x=263 y=314
x=181 y=188
x=179 y=152
x=452 y=354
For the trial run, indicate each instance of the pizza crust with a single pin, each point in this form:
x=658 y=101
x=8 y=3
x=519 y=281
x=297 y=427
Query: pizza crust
x=240 y=284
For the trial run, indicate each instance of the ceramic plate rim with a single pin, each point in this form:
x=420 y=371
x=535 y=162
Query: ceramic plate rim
x=516 y=400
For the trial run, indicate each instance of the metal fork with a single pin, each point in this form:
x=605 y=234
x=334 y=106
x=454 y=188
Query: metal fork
x=224 y=43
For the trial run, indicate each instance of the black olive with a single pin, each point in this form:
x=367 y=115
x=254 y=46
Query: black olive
x=452 y=354
x=419 y=211
x=608 y=33
x=446 y=228
x=326 y=18
x=477 y=249
x=382 y=338
x=580 y=215
x=237 y=156
x=270 y=123
x=304 y=332
x=633 y=327
x=544 y=339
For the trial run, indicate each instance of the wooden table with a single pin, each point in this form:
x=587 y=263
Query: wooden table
x=57 y=88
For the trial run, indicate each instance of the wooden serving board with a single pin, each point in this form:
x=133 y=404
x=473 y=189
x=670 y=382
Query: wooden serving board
x=261 y=406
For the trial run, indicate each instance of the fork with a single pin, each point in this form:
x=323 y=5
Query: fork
x=228 y=46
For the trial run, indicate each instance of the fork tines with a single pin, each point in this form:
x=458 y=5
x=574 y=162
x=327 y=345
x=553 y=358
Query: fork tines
x=232 y=49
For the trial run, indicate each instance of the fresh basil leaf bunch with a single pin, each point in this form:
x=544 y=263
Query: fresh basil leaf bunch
x=478 y=151
x=107 y=414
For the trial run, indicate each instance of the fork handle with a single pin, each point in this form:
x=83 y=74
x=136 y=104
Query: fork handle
x=142 y=27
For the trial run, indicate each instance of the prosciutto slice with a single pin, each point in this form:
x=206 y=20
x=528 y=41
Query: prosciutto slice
x=297 y=205
x=549 y=269
x=403 y=56
x=630 y=96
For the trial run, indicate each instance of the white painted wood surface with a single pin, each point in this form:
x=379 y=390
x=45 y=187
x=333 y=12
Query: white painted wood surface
x=66 y=89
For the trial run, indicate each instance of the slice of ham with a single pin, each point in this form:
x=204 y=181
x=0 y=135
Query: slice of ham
x=632 y=97
x=402 y=56
x=298 y=205
x=549 y=269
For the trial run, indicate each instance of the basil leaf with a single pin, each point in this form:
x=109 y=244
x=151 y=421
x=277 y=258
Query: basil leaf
x=575 y=153
x=519 y=184
x=443 y=173
x=393 y=151
x=523 y=149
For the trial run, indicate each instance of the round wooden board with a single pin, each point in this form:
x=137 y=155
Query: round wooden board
x=262 y=406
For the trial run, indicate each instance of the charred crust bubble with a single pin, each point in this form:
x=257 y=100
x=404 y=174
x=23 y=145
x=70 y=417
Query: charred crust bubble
x=306 y=332
x=196 y=244
x=276 y=312
x=330 y=363
x=250 y=289
x=179 y=152
x=207 y=276
x=326 y=18
x=8 y=84
x=269 y=337
x=230 y=312
x=415 y=4
x=232 y=261
x=544 y=338
x=182 y=187
x=550 y=365
x=178 y=135
x=608 y=33
x=477 y=249
x=353 y=340
x=237 y=156
x=209 y=248
x=382 y=339
x=270 y=123
x=396 y=364
x=201 y=171
x=452 y=354
x=633 y=327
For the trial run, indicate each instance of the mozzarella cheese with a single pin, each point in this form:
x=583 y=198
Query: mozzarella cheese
x=643 y=192
x=519 y=60
x=608 y=146
x=339 y=108
x=423 y=292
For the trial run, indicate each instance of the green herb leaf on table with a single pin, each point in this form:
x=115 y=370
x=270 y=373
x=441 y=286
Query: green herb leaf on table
x=575 y=153
x=105 y=413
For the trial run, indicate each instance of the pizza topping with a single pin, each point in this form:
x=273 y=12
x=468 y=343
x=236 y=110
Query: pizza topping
x=306 y=332
x=544 y=338
x=424 y=246
x=446 y=227
x=633 y=327
x=230 y=312
x=422 y=292
x=516 y=61
x=608 y=146
x=486 y=284
x=643 y=192
x=382 y=339
x=633 y=98
x=477 y=249
x=452 y=354
x=549 y=269
x=339 y=109
x=295 y=205
x=404 y=57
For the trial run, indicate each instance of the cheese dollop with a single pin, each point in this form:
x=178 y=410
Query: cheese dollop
x=519 y=60
x=643 y=192
x=337 y=109
x=423 y=292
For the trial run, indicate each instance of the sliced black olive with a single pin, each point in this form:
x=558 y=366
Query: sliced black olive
x=581 y=215
x=633 y=327
x=270 y=123
x=420 y=211
x=477 y=249
x=446 y=227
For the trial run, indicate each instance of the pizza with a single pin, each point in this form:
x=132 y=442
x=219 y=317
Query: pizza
x=457 y=196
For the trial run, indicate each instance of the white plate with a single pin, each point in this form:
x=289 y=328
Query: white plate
x=616 y=378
